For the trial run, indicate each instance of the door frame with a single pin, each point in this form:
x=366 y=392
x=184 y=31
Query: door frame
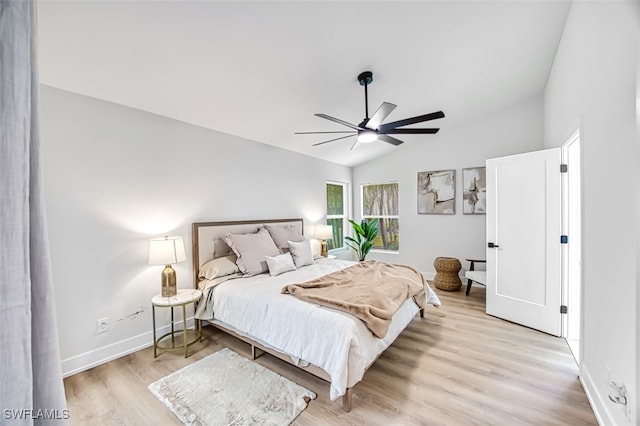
x=569 y=300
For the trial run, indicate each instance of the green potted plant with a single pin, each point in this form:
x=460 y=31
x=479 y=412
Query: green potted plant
x=365 y=233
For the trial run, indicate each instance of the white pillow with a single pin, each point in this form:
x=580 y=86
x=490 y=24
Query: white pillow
x=251 y=250
x=316 y=247
x=220 y=267
x=301 y=253
x=280 y=263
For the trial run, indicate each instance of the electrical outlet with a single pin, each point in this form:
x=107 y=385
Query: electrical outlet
x=102 y=325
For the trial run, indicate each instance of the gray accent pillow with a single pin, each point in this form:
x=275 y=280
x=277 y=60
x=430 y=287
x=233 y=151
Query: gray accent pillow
x=280 y=263
x=283 y=234
x=221 y=248
x=252 y=250
x=301 y=253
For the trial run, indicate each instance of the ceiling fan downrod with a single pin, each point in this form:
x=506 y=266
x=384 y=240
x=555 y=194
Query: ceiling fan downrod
x=365 y=78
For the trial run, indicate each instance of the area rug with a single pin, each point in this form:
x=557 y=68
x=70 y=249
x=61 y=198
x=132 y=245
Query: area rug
x=227 y=389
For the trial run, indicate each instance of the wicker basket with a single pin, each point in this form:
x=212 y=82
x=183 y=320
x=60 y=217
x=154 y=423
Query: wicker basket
x=447 y=269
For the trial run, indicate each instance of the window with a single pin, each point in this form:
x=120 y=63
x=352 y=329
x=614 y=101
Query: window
x=336 y=212
x=381 y=201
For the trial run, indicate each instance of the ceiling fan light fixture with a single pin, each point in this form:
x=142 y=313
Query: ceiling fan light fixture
x=367 y=137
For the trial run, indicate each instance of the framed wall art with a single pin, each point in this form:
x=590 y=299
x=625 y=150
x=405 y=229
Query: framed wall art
x=437 y=192
x=474 y=190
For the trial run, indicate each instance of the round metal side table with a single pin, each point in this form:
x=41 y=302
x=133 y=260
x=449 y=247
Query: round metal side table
x=181 y=338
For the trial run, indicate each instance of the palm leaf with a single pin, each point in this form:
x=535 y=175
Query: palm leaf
x=364 y=235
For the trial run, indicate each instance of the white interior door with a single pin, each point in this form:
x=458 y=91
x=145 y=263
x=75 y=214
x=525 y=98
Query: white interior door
x=523 y=239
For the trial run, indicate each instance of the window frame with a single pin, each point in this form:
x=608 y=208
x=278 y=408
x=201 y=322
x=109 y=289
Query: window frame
x=345 y=213
x=397 y=217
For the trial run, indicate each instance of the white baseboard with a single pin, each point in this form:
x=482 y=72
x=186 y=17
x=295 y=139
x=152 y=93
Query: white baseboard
x=598 y=403
x=104 y=354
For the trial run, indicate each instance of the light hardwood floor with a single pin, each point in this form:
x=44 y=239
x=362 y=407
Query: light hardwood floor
x=458 y=366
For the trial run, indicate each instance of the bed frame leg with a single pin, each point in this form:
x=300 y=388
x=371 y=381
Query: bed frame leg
x=256 y=352
x=421 y=313
x=346 y=400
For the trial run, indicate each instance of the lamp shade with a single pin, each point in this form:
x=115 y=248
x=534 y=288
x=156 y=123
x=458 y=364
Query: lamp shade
x=324 y=232
x=166 y=251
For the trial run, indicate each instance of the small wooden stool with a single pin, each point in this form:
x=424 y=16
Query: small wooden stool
x=447 y=269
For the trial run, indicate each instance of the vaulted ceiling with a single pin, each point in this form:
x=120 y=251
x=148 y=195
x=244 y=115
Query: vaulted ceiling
x=260 y=70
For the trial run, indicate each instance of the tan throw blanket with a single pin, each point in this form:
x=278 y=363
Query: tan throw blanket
x=371 y=291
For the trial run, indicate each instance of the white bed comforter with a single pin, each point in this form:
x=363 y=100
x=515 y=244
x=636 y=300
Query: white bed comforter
x=335 y=341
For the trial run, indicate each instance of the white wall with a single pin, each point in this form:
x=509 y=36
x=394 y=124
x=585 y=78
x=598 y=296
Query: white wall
x=116 y=176
x=516 y=129
x=593 y=87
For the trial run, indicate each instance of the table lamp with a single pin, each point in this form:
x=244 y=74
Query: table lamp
x=167 y=251
x=324 y=233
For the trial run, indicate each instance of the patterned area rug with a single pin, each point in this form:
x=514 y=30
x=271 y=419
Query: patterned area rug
x=227 y=389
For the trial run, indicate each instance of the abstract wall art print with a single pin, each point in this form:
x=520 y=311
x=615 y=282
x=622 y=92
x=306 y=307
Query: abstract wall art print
x=474 y=190
x=437 y=192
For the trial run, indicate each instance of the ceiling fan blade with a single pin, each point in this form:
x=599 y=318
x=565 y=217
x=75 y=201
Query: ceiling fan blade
x=389 y=139
x=337 y=120
x=411 y=131
x=418 y=119
x=332 y=140
x=318 y=133
x=381 y=113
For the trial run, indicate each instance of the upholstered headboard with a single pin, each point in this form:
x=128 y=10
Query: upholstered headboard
x=208 y=238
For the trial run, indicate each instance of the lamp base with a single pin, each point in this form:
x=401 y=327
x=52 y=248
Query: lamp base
x=324 y=249
x=168 y=281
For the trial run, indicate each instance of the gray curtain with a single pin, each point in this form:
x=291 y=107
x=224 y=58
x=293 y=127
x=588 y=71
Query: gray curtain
x=31 y=386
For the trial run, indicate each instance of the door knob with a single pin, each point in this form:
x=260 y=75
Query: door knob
x=491 y=245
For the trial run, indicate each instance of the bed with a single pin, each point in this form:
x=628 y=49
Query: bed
x=249 y=305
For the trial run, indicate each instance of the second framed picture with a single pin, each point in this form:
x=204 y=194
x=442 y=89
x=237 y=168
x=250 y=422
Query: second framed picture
x=437 y=192
x=474 y=196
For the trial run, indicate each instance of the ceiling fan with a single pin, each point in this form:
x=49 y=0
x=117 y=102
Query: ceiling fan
x=371 y=128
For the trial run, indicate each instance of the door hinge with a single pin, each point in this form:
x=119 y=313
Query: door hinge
x=563 y=168
x=563 y=309
x=564 y=239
